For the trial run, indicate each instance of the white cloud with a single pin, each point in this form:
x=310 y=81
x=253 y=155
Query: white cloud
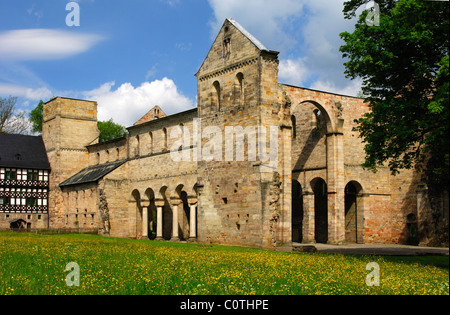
x=266 y=19
x=292 y=72
x=42 y=93
x=127 y=104
x=351 y=89
x=44 y=44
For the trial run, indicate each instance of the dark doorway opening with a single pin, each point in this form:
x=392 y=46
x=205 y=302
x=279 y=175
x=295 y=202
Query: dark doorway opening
x=297 y=212
x=351 y=211
x=321 y=211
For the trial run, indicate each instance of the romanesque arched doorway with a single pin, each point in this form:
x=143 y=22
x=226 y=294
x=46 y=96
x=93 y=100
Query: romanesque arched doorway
x=320 y=210
x=353 y=213
x=297 y=212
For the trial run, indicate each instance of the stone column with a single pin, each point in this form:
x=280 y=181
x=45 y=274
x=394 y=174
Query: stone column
x=285 y=224
x=336 y=185
x=192 y=218
x=145 y=204
x=308 y=218
x=175 y=202
x=144 y=223
x=159 y=203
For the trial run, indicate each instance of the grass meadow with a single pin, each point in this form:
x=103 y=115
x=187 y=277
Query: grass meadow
x=36 y=264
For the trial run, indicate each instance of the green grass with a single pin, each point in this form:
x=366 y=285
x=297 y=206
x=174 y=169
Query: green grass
x=35 y=264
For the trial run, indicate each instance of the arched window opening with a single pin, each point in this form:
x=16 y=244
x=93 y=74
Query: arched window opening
x=150 y=134
x=239 y=89
x=136 y=149
x=216 y=95
x=294 y=126
x=164 y=139
x=181 y=126
x=317 y=121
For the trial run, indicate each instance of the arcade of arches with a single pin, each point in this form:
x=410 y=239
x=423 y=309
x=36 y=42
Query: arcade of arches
x=310 y=213
x=162 y=216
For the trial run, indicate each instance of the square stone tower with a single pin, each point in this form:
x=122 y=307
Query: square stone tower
x=69 y=125
x=241 y=194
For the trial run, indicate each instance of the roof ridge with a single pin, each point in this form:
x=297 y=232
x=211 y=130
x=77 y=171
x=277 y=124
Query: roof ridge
x=247 y=34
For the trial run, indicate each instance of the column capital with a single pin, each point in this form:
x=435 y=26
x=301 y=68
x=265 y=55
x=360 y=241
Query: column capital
x=175 y=201
x=145 y=202
x=192 y=200
x=160 y=202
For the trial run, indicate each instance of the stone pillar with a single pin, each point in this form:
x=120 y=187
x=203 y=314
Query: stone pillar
x=144 y=223
x=308 y=218
x=175 y=202
x=159 y=203
x=285 y=224
x=192 y=218
x=336 y=186
x=145 y=204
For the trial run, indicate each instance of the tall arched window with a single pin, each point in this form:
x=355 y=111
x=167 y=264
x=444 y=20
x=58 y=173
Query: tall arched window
x=181 y=126
x=150 y=134
x=215 y=97
x=136 y=149
x=317 y=115
x=164 y=139
x=239 y=89
x=294 y=126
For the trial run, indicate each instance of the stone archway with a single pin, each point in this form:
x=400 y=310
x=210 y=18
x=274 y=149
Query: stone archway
x=353 y=213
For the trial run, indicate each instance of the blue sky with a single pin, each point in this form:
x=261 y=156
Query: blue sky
x=134 y=54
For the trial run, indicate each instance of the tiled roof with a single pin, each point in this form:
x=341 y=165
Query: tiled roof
x=91 y=174
x=23 y=152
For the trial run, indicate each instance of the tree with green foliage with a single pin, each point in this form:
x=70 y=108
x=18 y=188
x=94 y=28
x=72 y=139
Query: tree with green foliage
x=109 y=130
x=36 y=117
x=403 y=63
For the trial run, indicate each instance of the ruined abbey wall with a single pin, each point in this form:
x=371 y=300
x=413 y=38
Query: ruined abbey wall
x=183 y=177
